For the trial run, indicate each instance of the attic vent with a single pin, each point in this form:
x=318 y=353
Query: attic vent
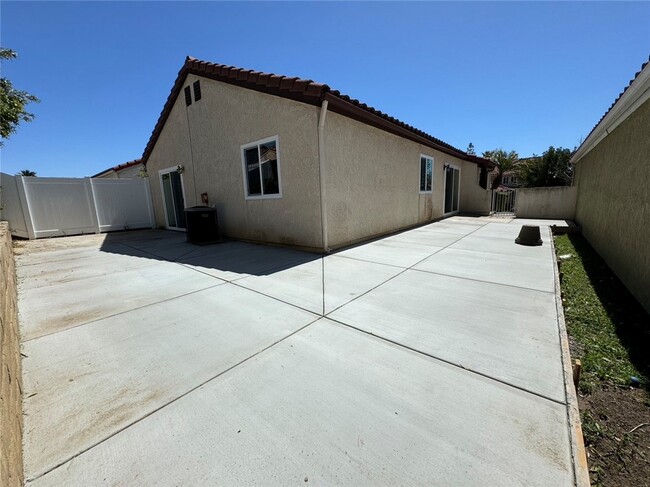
x=188 y=96
x=197 y=90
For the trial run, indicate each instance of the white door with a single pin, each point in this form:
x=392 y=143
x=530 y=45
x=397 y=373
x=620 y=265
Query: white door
x=452 y=189
x=171 y=183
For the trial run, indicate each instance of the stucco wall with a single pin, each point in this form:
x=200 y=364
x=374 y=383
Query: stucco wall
x=130 y=172
x=372 y=181
x=473 y=198
x=225 y=118
x=11 y=415
x=558 y=202
x=372 y=176
x=613 y=204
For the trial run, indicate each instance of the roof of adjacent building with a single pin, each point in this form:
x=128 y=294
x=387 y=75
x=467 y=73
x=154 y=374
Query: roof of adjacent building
x=119 y=167
x=611 y=107
x=303 y=90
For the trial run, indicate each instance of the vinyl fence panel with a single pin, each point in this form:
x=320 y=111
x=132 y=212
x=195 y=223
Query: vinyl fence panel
x=47 y=207
x=59 y=206
x=122 y=204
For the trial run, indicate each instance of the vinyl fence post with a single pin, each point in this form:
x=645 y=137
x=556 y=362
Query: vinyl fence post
x=147 y=190
x=92 y=204
x=24 y=203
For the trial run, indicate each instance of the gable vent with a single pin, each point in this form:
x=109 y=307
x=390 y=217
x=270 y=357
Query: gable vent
x=188 y=96
x=197 y=90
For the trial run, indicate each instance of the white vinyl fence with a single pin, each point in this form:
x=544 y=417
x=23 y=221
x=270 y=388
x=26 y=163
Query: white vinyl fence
x=47 y=207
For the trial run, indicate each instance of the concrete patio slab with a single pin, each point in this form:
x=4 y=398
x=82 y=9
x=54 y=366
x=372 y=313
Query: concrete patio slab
x=79 y=391
x=507 y=232
x=171 y=250
x=396 y=253
x=67 y=304
x=40 y=256
x=83 y=266
x=512 y=229
x=302 y=285
x=451 y=226
x=528 y=272
x=235 y=260
x=332 y=406
x=151 y=361
x=425 y=237
x=506 y=333
x=503 y=246
x=472 y=220
x=540 y=222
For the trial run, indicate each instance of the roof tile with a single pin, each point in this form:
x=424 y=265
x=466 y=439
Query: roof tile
x=616 y=101
x=299 y=89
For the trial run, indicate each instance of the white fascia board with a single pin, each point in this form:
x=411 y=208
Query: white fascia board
x=635 y=96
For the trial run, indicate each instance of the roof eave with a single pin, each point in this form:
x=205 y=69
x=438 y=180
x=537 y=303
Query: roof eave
x=634 y=95
x=305 y=91
x=379 y=120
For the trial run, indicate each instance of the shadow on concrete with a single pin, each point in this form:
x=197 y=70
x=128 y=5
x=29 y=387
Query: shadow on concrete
x=226 y=257
x=631 y=320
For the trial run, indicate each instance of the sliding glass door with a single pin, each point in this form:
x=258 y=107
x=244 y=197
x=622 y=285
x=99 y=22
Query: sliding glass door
x=452 y=189
x=173 y=199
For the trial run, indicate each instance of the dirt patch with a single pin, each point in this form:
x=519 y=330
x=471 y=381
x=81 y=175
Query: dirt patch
x=82 y=242
x=618 y=454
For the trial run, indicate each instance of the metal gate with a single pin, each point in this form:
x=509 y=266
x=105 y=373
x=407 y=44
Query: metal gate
x=503 y=202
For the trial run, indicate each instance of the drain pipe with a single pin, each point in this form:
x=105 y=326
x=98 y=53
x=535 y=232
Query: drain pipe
x=321 y=169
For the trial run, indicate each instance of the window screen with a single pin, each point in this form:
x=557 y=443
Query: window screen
x=426 y=174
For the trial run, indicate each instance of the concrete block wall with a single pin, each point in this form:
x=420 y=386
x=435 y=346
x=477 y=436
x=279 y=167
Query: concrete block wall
x=11 y=416
x=556 y=202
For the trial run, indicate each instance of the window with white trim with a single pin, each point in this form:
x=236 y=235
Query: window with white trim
x=261 y=166
x=426 y=174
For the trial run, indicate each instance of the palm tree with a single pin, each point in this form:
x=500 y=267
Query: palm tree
x=505 y=161
x=26 y=172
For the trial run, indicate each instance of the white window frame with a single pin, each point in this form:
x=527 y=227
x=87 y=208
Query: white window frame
x=433 y=167
x=245 y=172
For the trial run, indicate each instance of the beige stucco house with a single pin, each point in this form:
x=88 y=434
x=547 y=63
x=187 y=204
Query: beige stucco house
x=612 y=174
x=290 y=161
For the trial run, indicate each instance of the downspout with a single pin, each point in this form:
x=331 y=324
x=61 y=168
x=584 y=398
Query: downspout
x=321 y=169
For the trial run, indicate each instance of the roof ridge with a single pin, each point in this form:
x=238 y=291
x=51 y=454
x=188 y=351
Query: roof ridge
x=299 y=89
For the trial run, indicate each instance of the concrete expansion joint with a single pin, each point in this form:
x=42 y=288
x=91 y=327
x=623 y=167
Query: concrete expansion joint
x=485 y=282
x=124 y=312
x=448 y=362
x=154 y=411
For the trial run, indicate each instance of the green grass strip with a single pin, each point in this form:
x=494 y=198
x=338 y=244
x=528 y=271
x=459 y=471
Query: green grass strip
x=610 y=327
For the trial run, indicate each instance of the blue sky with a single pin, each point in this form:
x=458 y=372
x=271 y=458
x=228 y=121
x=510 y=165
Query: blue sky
x=521 y=76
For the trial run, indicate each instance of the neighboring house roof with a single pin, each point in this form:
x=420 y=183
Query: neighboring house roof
x=119 y=167
x=303 y=90
x=635 y=93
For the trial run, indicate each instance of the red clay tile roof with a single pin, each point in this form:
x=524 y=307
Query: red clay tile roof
x=303 y=90
x=132 y=163
x=615 y=102
x=119 y=167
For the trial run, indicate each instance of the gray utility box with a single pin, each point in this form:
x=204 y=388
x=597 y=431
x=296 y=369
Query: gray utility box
x=202 y=225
